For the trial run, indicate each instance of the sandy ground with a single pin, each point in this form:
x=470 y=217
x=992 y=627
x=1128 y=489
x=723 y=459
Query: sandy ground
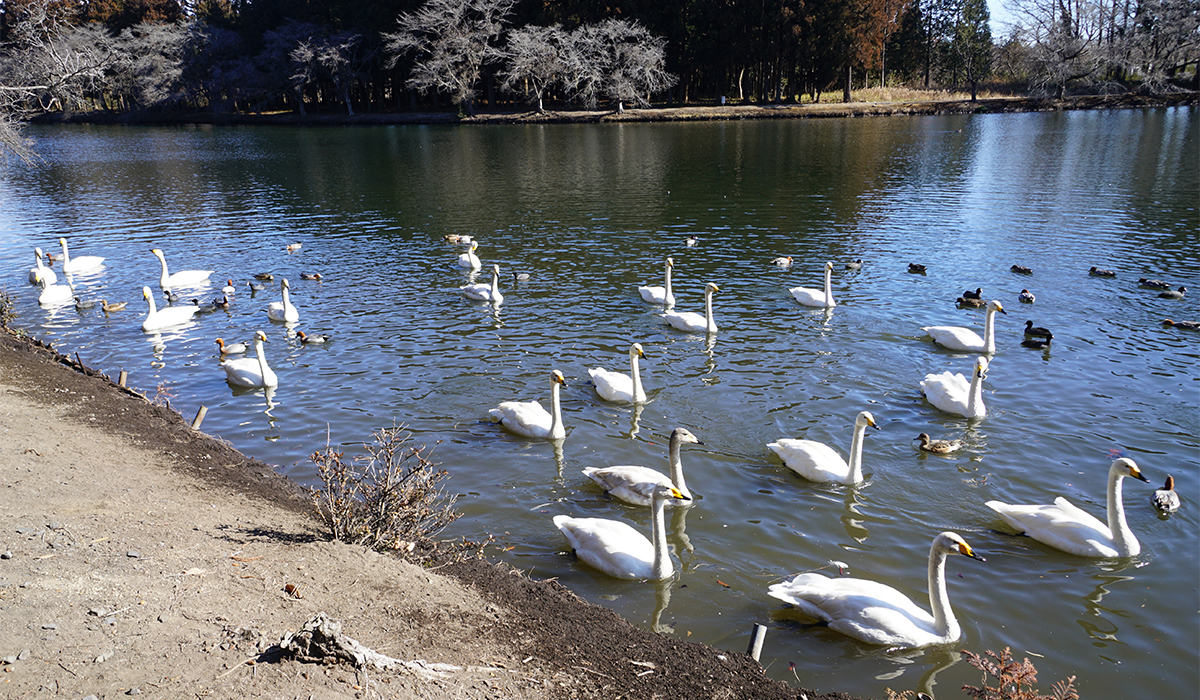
x=140 y=557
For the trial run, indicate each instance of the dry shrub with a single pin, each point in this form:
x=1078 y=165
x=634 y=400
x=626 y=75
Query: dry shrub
x=390 y=498
x=1015 y=681
x=7 y=311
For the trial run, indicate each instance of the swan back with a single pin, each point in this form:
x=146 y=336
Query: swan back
x=529 y=419
x=619 y=550
x=660 y=295
x=817 y=297
x=171 y=316
x=819 y=462
x=251 y=371
x=691 y=321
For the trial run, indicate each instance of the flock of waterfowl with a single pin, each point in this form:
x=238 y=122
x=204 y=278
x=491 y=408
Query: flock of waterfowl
x=866 y=610
x=245 y=371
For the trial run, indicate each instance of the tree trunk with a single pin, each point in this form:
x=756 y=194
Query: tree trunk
x=846 y=85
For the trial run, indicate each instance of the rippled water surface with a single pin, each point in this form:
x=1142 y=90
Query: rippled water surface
x=589 y=212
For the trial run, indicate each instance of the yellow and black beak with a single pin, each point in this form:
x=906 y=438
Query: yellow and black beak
x=965 y=550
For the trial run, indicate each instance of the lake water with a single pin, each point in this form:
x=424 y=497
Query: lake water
x=590 y=212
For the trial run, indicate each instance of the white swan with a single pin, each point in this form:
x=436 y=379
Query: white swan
x=878 y=614
x=965 y=339
x=251 y=371
x=283 y=310
x=629 y=483
x=953 y=394
x=619 y=550
x=41 y=271
x=660 y=295
x=817 y=461
x=614 y=386
x=182 y=279
x=816 y=297
x=486 y=292
x=469 y=259
x=84 y=263
x=1065 y=527
x=55 y=294
x=692 y=321
x=171 y=316
x=529 y=419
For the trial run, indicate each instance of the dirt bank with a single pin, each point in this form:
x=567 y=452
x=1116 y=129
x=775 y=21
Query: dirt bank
x=139 y=557
x=663 y=114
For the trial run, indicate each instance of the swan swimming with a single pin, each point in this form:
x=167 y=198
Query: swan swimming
x=614 y=386
x=469 y=259
x=953 y=394
x=485 y=292
x=816 y=297
x=41 y=271
x=1065 y=527
x=529 y=419
x=817 y=461
x=251 y=371
x=283 y=310
x=660 y=295
x=692 y=321
x=84 y=263
x=171 y=316
x=619 y=550
x=629 y=483
x=181 y=279
x=55 y=294
x=879 y=614
x=965 y=339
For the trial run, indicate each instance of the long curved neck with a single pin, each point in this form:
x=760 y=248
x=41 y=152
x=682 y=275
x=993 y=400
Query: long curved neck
x=66 y=255
x=989 y=332
x=662 y=567
x=667 y=282
x=166 y=276
x=1124 y=541
x=286 y=298
x=711 y=326
x=975 y=397
x=495 y=284
x=828 y=287
x=944 y=624
x=153 y=306
x=677 y=468
x=556 y=426
x=856 y=447
x=639 y=395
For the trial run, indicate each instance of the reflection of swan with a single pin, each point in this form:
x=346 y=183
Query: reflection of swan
x=953 y=394
x=170 y=316
x=660 y=295
x=283 y=310
x=692 y=321
x=183 y=278
x=662 y=598
x=879 y=614
x=529 y=419
x=40 y=270
x=614 y=386
x=816 y=297
x=619 y=550
x=251 y=371
x=1165 y=499
x=84 y=263
x=965 y=339
x=817 y=461
x=469 y=259
x=486 y=292
x=1065 y=527
x=629 y=483
x=55 y=294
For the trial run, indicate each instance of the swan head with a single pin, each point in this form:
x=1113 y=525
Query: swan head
x=865 y=418
x=658 y=492
x=38 y=252
x=952 y=543
x=829 y=266
x=146 y=293
x=981 y=367
x=1127 y=467
x=62 y=242
x=711 y=287
x=496 y=270
x=994 y=305
x=157 y=253
x=685 y=436
x=670 y=262
x=284 y=284
x=556 y=377
x=260 y=336
x=635 y=350
x=474 y=245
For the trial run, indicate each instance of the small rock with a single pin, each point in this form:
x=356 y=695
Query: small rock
x=91 y=697
x=6 y=555
x=133 y=554
x=50 y=626
x=103 y=657
x=55 y=525
x=98 y=612
x=23 y=655
x=134 y=691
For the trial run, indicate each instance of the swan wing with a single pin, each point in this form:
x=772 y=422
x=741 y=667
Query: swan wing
x=686 y=320
x=83 y=263
x=628 y=483
x=808 y=297
x=955 y=338
x=613 y=386
x=188 y=278
x=866 y=610
x=170 y=316
x=243 y=371
x=812 y=460
x=1061 y=525
x=653 y=295
x=947 y=391
x=479 y=292
x=608 y=545
x=526 y=418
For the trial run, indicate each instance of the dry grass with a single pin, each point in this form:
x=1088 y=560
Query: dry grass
x=903 y=94
x=1014 y=681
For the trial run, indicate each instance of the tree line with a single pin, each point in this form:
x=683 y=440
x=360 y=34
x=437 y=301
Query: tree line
x=372 y=55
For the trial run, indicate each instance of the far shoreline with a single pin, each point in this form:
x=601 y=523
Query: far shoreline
x=990 y=105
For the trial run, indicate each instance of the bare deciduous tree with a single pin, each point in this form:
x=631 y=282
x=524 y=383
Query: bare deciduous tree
x=338 y=58
x=537 y=58
x=620 y=60
x=453 y=40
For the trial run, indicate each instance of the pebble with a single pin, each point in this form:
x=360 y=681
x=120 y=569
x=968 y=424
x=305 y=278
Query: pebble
x=6 y=555
x=133 y=554
x=103 y=657
x=134 y=691
x=50 y=626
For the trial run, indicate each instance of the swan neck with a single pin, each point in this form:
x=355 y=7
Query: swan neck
x=667 y=284
x=556 y=426
x=262 y=359
x=662 y=567
x=989 y=332
x=639 y=395
x=828 y=287
x=711 y=325
x=677 y=467
x=975 y=397
x=944 y=623
x=856 y=448
x=1124 y=541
